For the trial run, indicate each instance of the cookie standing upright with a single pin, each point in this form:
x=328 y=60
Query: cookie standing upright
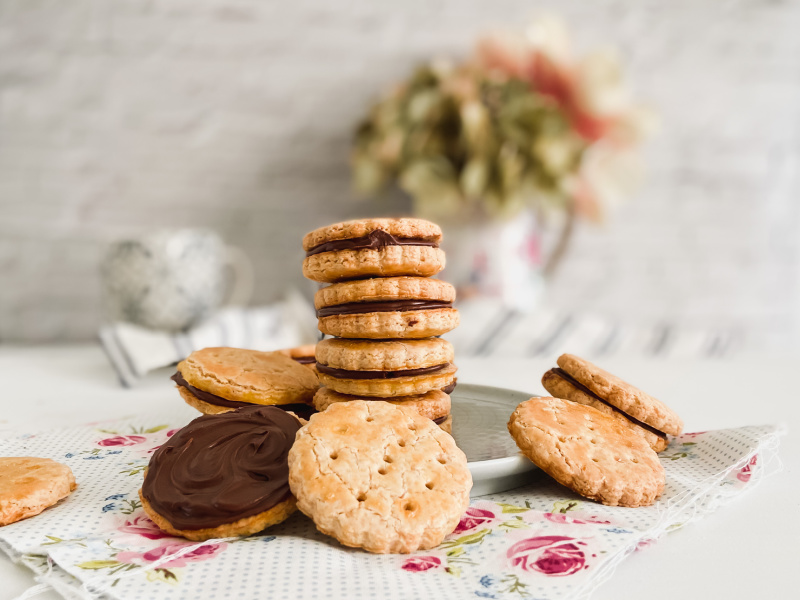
x=579 y=380
x=217 y=380
x=379 y=476
x=373 y=248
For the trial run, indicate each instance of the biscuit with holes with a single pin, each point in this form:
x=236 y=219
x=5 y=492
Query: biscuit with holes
x=28 y=485
x=216 y=380
x=561 y=386
x=620 y=394
x=379 y=476
x=434 y=405
x=387 y=308
x=373 y=248
x=587 y=451
x=223 y=475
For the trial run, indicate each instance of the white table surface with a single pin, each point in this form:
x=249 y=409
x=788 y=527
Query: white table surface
x=747 y=549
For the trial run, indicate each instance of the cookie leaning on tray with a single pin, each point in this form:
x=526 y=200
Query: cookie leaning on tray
x=599 y=436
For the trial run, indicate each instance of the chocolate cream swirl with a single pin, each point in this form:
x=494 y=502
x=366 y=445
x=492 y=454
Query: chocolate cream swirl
x=222 y=468
x=406 y=305
x=374 y=240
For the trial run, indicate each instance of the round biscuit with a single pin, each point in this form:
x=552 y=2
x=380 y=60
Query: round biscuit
x=629 y=399
x=391 y=388
x=433 y=405
x=28 y=485
x=387 y=355
x=330 y=267
x=403 y=227
x=587 y=451
x=249 y=376
x=413 y=324
x=379 y=476
x=385 y=288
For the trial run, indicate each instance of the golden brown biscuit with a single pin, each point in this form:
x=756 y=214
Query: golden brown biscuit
x=388 y=355
x=379 y=476
x=403 y=228
x=622 y=395
x=589 y=452
x=560 y=387
x=302 y=354
x=28 y=485
x=240 y=375
x=434 y=405
x=390 y=388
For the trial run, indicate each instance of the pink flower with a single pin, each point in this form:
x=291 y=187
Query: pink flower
x=122 y=440
x=204 y=552
x=417 y=564
x=745 y=473
x=473 y=517
x=564 y=518
x=553 y=555
x=144 y=527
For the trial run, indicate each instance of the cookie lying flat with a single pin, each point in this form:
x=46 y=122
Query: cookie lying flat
x=379 y=477
x=435 y=405
x=223 y=475
x=646 y=411
x=217 y=380
x=385 y=369
x=558 y=383
x=28 y=485
x=386 y=308
x=301 y=354
x=588 y=451
x=373 y=248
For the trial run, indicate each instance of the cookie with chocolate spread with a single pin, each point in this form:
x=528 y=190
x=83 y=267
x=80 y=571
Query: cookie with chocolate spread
x=29 y=485
x=640 y=408
x=386 y=308
x=217 y=380
x=587 y=451
x=223 y=475
x=301 y=354
x=379 y=476
x=385 y=369
x=434 y=404
x=373 y=248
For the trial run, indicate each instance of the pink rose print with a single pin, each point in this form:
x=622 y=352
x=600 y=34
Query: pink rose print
x=745 y=473
x=122 y=440
x=144 y=527
x=553 y=555
x=172 y=432
x=204 y=552
x=473 y=517
x=417 y=564
x=564 y=518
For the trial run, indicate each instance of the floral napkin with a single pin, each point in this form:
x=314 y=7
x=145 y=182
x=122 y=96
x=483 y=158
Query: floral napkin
x=539 y=541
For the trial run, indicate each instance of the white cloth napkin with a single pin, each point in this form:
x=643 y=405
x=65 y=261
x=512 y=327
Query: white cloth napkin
x=134 y=351
x=539 y=541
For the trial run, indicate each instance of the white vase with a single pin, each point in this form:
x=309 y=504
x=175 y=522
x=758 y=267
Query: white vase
x=496 y=259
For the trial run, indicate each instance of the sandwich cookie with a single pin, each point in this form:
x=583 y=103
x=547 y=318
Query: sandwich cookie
x=223 y=475
x=301 y=354
x=435 y=405
x=379 y=476
x=28 y=485
x=587 y=451
x=217 y=380
x=385 y=369
x=373 y=248
x=579 y=380
x=386 y=308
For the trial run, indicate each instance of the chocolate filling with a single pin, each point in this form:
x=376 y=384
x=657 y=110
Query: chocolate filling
x=449 y=388
x=222 y=468
x=304 y=360
x=357 y=308
x=345 y=374
x=374 y=240
x=300 y=409
x=575 y=383
x=441 y=420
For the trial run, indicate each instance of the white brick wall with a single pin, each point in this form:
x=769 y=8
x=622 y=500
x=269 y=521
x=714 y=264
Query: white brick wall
x=116 y=117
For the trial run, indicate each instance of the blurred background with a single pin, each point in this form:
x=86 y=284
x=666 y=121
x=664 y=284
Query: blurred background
x=118 y=119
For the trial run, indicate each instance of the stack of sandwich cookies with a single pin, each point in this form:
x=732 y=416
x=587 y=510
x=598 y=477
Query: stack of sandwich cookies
x=217 y=380
x=223 y=475
x=384 y=312
x=580 y=381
